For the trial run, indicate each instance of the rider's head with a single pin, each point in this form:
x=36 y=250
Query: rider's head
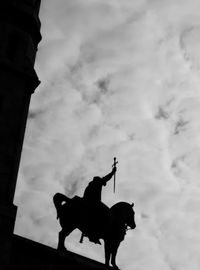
x=97 y=178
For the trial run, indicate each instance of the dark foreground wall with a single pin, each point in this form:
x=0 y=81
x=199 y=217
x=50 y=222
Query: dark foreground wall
x=30 y=255
x=19 y=38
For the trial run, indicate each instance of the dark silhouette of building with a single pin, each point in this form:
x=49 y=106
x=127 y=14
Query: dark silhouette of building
x=19 y=38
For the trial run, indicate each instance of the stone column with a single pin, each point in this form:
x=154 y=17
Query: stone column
x=19 y=38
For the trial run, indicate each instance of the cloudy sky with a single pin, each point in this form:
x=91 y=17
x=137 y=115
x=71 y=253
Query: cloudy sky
x=119 y=78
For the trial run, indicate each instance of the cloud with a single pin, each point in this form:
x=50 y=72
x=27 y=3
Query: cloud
x=118 y=79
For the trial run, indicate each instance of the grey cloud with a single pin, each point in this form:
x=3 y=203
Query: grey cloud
x=103 y=85
x=189 y=44
x=162 y=114
x=180 y=126
x=34 y=114
x=73 y=186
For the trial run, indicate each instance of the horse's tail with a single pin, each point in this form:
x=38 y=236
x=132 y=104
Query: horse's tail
x=58 y=200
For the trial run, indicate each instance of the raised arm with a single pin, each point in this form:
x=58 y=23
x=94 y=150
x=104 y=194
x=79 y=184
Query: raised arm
x=107 y=177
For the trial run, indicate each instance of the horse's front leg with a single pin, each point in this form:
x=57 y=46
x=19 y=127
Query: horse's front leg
x=107 y=253
x=113 y=255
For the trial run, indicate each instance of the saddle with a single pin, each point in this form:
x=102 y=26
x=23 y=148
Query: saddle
x=96 y=216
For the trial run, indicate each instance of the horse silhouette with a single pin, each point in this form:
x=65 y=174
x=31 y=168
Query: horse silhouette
x=95 y=222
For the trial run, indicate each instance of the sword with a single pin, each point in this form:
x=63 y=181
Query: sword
x=114 y=166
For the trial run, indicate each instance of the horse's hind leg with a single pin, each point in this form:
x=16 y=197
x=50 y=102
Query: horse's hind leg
x=61 y=240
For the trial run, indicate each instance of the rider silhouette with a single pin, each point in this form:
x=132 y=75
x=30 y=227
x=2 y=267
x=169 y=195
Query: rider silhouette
x=92 y=192
x=92 y=197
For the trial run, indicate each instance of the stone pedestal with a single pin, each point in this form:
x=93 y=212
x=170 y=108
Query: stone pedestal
x=30 y=255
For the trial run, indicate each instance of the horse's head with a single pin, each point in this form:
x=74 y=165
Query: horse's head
x=124 y=211
x=130 y=219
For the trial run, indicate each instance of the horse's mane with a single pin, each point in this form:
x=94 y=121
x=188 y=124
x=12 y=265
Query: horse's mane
x=119 y=206
x=120 y=209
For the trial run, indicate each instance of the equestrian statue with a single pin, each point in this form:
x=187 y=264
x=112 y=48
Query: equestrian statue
x=94 y=219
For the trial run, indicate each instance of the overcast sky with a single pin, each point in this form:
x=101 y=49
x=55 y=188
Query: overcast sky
x=118 y=78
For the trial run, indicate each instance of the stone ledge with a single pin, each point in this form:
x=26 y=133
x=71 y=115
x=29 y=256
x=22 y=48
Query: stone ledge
x=28 y=254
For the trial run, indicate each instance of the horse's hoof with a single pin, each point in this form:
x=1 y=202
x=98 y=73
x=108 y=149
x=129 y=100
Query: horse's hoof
x=63 y=249
x=115 y=267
